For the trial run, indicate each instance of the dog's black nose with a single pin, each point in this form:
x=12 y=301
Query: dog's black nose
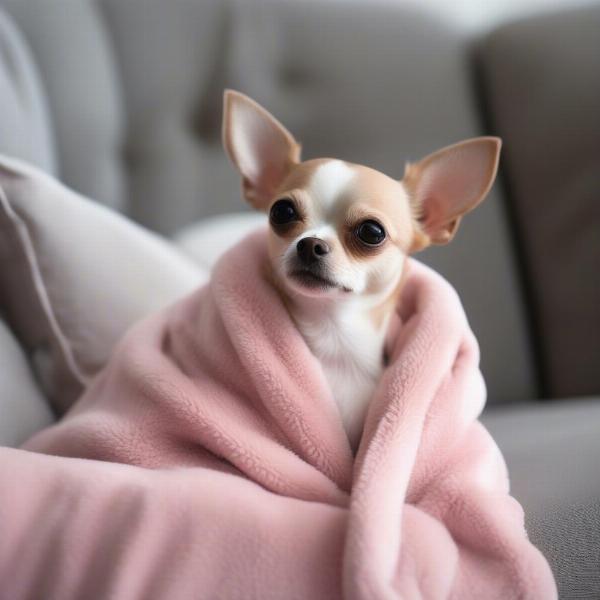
x=312 y=249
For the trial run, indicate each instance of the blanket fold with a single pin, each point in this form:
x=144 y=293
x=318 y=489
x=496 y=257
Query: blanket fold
x=223 y=419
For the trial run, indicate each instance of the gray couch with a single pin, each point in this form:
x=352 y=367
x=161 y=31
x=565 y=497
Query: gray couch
x=121 y=102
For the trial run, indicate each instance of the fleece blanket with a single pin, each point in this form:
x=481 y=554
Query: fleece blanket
x=208 y=460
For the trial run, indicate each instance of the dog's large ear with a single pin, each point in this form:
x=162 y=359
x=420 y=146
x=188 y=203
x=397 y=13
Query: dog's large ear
x=449 y=183
x=261 y=148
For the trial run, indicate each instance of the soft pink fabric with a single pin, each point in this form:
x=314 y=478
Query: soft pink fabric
x=239 y=481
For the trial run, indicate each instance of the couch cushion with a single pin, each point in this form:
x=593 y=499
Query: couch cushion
x=552 y=455
x=74 y=55
x=543 y=89
x=170 y=56
x=23 y=407
x=25 y=129
x=74 y=275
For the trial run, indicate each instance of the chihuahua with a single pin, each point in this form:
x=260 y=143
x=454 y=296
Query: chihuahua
x=340 y=234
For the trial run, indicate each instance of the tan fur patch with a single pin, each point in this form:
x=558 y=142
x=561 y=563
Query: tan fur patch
x=372 y=195
x=300 y=175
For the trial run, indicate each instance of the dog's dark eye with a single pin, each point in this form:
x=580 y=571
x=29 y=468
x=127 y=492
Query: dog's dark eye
x=282 y=212
x=371 y=233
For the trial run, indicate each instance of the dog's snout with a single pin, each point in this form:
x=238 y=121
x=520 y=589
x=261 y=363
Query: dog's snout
x=312 y=249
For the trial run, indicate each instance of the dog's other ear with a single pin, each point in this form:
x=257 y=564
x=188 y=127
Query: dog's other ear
x=261 y=148
x=449 y=183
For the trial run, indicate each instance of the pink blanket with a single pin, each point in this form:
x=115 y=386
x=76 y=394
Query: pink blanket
x=237 y=478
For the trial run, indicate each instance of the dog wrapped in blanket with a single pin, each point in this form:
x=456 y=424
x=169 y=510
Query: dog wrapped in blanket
x=305 y=425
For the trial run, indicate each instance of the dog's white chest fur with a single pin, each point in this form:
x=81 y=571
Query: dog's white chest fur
x=350 y=351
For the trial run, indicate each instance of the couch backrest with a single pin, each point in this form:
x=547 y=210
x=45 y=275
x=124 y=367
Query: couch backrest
x=134 y=92
x=25 y=124
x=72 y=52
x=542 y=82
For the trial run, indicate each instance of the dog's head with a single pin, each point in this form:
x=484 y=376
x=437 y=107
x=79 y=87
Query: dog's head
x=341 y=230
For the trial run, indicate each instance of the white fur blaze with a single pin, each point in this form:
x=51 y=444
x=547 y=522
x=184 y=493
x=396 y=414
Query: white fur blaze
x=329 y=181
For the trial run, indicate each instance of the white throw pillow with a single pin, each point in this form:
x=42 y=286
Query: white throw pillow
x=206 y=240
x=74 y=275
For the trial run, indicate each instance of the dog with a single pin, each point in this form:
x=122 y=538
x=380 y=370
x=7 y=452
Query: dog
x=340 y=234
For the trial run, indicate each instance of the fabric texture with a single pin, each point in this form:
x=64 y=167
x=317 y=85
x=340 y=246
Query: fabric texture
x=551 y=132
x=552 y=456
x=74 y=275
x=221 y=388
